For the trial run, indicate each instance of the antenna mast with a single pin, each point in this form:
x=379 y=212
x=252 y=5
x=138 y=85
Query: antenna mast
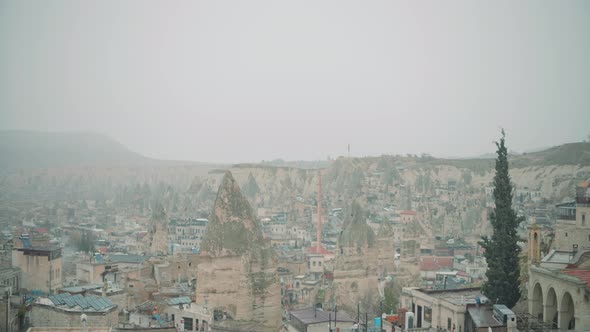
x=319 y=231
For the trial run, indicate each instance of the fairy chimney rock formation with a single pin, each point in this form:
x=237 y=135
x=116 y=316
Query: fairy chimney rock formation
x=237 y=274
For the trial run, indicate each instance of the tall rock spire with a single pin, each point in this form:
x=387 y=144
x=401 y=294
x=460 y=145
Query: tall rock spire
x=238 y=273
x=233 y=228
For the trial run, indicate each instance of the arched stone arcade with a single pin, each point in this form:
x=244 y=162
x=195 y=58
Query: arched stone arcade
x=566 y=313
x=551 y=314
x=552 y=305
x=537 y=302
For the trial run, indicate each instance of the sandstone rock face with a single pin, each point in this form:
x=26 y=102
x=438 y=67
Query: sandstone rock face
x=237 y=273
x=159 y=230
x=356 y=234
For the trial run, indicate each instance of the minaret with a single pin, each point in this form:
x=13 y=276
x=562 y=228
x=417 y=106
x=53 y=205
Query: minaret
x=534 y=243
x=319 y=231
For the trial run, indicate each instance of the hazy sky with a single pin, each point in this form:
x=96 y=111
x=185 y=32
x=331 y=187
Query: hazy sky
x=237 y=81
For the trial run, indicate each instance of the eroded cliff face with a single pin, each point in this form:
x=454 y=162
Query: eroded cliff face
x=187 y=192
x=356 y=236
x=347 y=179
x=237 y=273
x=158 y=233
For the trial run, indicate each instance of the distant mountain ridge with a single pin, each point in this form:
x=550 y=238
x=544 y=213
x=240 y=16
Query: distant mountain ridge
x=22 y=149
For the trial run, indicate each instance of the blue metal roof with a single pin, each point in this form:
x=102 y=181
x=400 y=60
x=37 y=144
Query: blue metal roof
x=84 y=302
x=179 y=300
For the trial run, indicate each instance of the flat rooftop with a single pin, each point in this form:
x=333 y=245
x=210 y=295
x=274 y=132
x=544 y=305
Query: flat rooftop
x=457 y=296
x=483 y=316
x=311 y=316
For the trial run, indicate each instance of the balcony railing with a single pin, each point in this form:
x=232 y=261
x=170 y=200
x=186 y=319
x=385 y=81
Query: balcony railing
x=566 y=217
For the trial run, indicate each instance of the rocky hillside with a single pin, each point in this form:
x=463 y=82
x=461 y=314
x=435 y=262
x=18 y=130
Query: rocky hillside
x=53 y=167
x=553 y=172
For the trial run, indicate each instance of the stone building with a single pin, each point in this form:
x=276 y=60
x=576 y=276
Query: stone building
x=10 y=277
x=315 y=320
x=572 y=230
x=560 y=297
x=187 y=233
x=444 y=309
x=408 y=216
x=41 y=267
x=559 y=285
x=188 y=315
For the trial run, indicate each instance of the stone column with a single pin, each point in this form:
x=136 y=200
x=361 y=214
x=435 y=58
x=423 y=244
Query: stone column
x=549 y=312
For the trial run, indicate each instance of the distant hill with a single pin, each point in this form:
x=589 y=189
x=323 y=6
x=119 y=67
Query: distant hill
x=566 y=154
x=31 y=149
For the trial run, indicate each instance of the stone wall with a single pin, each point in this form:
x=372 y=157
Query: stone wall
x=227 y=283
x=38 y=272
x=48 y=316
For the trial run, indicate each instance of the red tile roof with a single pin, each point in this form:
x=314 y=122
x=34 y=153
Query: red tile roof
x=322 y=251
x=463 y=274
x=581 y=274
x=435 y=263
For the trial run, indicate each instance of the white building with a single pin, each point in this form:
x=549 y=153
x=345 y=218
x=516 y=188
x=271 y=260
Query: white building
x=187 y=233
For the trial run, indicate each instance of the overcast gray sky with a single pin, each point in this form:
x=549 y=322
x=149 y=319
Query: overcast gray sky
x=237 y=81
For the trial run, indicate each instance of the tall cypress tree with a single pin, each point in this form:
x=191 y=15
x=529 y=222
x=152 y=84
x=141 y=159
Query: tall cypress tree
x=502 y=250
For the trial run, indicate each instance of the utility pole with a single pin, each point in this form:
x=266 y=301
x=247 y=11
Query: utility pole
x=381 y=320
x=335 y=315
x=366 y=322
x=9 y=293
x=319 y=230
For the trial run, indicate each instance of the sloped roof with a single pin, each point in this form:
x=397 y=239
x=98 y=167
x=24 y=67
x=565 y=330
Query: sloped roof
x=85 y=303
x=435 y=263
x=322 y=251
x=582 y=274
